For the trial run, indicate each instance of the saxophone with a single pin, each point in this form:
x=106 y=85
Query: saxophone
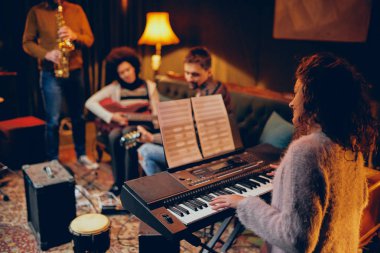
x=65 y=46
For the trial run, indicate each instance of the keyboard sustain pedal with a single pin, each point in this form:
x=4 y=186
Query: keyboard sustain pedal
x=109 y=204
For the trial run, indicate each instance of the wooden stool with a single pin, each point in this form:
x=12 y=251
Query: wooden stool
x=22 y=141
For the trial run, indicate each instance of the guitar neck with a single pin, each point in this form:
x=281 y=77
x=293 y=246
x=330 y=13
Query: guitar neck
x=139 y=117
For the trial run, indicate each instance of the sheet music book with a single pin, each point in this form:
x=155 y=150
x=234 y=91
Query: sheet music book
x=195 y=128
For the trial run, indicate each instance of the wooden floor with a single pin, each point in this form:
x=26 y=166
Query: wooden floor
x=67 y=153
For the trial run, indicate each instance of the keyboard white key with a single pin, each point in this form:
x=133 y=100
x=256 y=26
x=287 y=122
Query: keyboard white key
x=207 y=211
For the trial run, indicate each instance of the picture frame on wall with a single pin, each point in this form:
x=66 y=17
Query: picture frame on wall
x=334 y=20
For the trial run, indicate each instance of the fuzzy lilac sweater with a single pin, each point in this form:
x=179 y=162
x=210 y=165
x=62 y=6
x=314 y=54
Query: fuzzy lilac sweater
x=319 y=192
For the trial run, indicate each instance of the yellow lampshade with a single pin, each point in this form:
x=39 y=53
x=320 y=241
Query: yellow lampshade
x=158 y=30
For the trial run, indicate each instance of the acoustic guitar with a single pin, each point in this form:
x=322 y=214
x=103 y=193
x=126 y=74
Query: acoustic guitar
x=129 y=140
x=138 y=113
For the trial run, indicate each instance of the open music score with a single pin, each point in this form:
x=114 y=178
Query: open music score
x=178 y=130
x=213 y=125
x=178 y=133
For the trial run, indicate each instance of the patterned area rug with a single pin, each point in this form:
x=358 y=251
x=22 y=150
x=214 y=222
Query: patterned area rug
x=16 y=235
x=16 y=239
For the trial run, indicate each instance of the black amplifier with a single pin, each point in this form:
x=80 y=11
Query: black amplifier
x=50 y=201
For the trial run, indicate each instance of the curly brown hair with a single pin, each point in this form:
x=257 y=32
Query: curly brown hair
x=119 y=55
x=335 y=97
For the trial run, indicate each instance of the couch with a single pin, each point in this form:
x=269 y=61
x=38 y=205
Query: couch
x=252 y=106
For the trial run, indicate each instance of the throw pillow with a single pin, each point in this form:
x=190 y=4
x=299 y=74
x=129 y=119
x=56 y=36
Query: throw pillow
x=277 y=131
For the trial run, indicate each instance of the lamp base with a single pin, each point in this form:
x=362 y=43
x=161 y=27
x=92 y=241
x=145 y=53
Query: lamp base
x=156 y=62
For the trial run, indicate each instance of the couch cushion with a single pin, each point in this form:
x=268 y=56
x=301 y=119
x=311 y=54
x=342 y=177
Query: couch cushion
x=252 y=112
x=171 y=89
x=277 y=131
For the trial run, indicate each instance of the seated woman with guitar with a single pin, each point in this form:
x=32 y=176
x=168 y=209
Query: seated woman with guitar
x=119 y=106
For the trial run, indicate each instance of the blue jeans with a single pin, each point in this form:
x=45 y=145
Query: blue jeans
x=53 y=90
x=153 y=158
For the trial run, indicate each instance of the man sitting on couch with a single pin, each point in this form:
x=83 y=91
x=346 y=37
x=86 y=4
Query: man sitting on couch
x=197 y=69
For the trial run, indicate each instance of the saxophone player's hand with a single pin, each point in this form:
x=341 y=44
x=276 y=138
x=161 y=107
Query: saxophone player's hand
x=53 y=56
x=66 y=33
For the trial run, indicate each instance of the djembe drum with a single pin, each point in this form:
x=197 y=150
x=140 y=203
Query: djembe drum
x=90 y=233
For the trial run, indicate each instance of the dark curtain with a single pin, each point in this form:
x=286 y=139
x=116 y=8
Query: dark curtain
x=113 y=22
x=26 y=98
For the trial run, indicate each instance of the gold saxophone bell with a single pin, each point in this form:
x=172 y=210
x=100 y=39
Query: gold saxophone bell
x=65 y=46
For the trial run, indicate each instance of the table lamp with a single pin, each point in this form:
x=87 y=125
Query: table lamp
x=158 y=32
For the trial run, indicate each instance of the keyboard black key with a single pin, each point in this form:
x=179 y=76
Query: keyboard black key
x=228 y=191
x=265 y=178
x=223 y=192
x=253 y=180
x=217 y=193
x=240 y=188
x=191 y=206
x=210 y=196
x=176 y=211
x=246 y=185
x=235 y=189
x=269 y=176
x=183 y=210
x=201 y=202
x=254 y=184
x=206 y=198
x=195 y=203
x=261 y=180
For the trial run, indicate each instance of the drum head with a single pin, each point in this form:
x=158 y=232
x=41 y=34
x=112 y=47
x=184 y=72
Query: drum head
x=89 y=224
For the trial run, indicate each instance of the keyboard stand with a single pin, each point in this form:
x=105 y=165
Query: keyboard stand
x=238 y=229
x=216 y=238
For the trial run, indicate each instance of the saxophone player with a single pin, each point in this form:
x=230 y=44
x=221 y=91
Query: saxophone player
x=46 y=26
